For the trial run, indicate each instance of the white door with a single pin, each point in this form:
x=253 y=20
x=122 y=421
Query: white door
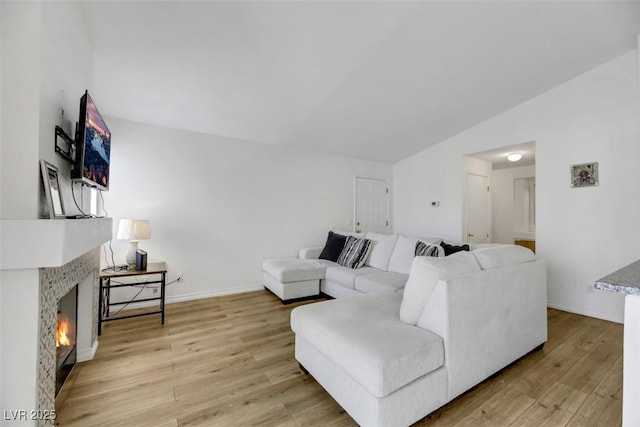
x=371 y=205
x=476 y=227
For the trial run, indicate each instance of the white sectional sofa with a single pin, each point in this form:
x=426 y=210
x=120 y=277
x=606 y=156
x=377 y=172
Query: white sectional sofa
x=386 y=269
x=390 y=358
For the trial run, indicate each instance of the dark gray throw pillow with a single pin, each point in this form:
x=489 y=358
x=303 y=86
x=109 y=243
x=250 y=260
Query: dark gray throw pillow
x=452 y=249
x=334 y=246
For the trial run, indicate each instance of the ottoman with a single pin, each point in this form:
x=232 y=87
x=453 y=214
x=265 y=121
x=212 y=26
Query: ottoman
x=293 y=278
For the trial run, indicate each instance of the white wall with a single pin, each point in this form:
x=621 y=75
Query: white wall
x=46 y=65
x=19 y=168
x=219 y=206
x=582 y=233
x=67 y=71
x=1 y=176
x=502 y=201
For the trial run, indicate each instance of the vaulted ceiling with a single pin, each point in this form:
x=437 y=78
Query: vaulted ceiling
x=376 y=80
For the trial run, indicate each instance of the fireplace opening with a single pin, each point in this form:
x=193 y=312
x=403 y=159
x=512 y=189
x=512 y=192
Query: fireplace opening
x=66 y=336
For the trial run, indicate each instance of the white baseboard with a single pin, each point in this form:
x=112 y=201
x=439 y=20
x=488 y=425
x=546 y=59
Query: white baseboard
x=197 y=295
x=597 y=315
x=84 y=354
x=211 y=294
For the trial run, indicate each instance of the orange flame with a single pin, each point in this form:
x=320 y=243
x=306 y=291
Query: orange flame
x=64 y=331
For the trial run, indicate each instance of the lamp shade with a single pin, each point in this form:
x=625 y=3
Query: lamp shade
x=134 y=229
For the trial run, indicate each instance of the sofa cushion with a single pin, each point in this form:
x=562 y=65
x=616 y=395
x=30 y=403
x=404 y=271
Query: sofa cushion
x=355 y=252
x=346 y=276
x=452 y=249
x=428 y=249
x=425 y=273
x=382 y=246
x=502 y=256
x=383 y=281
x=404 y=252
x=333 y=247
x=286 y=270
x=362 y=336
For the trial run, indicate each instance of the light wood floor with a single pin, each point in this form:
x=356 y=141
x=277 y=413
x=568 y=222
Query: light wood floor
x=228 y=361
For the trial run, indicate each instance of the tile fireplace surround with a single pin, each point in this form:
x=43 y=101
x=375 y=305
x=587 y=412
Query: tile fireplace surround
x=40 y=261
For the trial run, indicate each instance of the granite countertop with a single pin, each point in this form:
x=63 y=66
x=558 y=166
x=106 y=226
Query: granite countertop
x=626 y=280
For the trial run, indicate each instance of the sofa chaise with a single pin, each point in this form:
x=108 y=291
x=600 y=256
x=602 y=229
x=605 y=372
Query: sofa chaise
x=390 y=358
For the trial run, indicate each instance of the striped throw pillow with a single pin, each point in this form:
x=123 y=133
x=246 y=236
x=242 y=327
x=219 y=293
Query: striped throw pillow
x=426 y=249
x=355 y=252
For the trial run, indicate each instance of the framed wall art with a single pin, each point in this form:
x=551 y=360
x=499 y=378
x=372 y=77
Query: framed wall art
x=52 y=189
x=584 y=175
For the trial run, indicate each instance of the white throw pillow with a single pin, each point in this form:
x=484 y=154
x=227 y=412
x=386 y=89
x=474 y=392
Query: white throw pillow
x=425 y=273
x=381 y=249
x=502 y=256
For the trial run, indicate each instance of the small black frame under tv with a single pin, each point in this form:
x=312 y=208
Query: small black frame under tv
x=91 y=166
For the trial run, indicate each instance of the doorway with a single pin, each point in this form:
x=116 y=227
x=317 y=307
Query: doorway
x=512 y=195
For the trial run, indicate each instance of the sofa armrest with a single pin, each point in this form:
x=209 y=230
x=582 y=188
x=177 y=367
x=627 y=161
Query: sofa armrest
x=487 y=320
x=310 y=253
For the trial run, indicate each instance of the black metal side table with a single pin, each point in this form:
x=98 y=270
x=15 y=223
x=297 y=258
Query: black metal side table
x=104 y=304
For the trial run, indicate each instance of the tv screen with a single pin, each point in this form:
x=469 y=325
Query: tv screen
x=93 y=147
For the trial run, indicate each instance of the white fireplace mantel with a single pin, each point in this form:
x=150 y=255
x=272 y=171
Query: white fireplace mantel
x=39 y=259
x=27 y=244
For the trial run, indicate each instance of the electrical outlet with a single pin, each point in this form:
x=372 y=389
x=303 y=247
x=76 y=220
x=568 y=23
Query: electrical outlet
x=180 y=278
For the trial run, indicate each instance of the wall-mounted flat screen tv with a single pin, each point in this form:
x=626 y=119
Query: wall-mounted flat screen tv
x=93 y=147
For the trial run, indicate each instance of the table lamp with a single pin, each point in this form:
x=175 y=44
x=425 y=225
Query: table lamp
x=133 y=230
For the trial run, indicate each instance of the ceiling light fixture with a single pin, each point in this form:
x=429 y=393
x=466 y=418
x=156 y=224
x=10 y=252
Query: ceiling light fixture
x=514 y=157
